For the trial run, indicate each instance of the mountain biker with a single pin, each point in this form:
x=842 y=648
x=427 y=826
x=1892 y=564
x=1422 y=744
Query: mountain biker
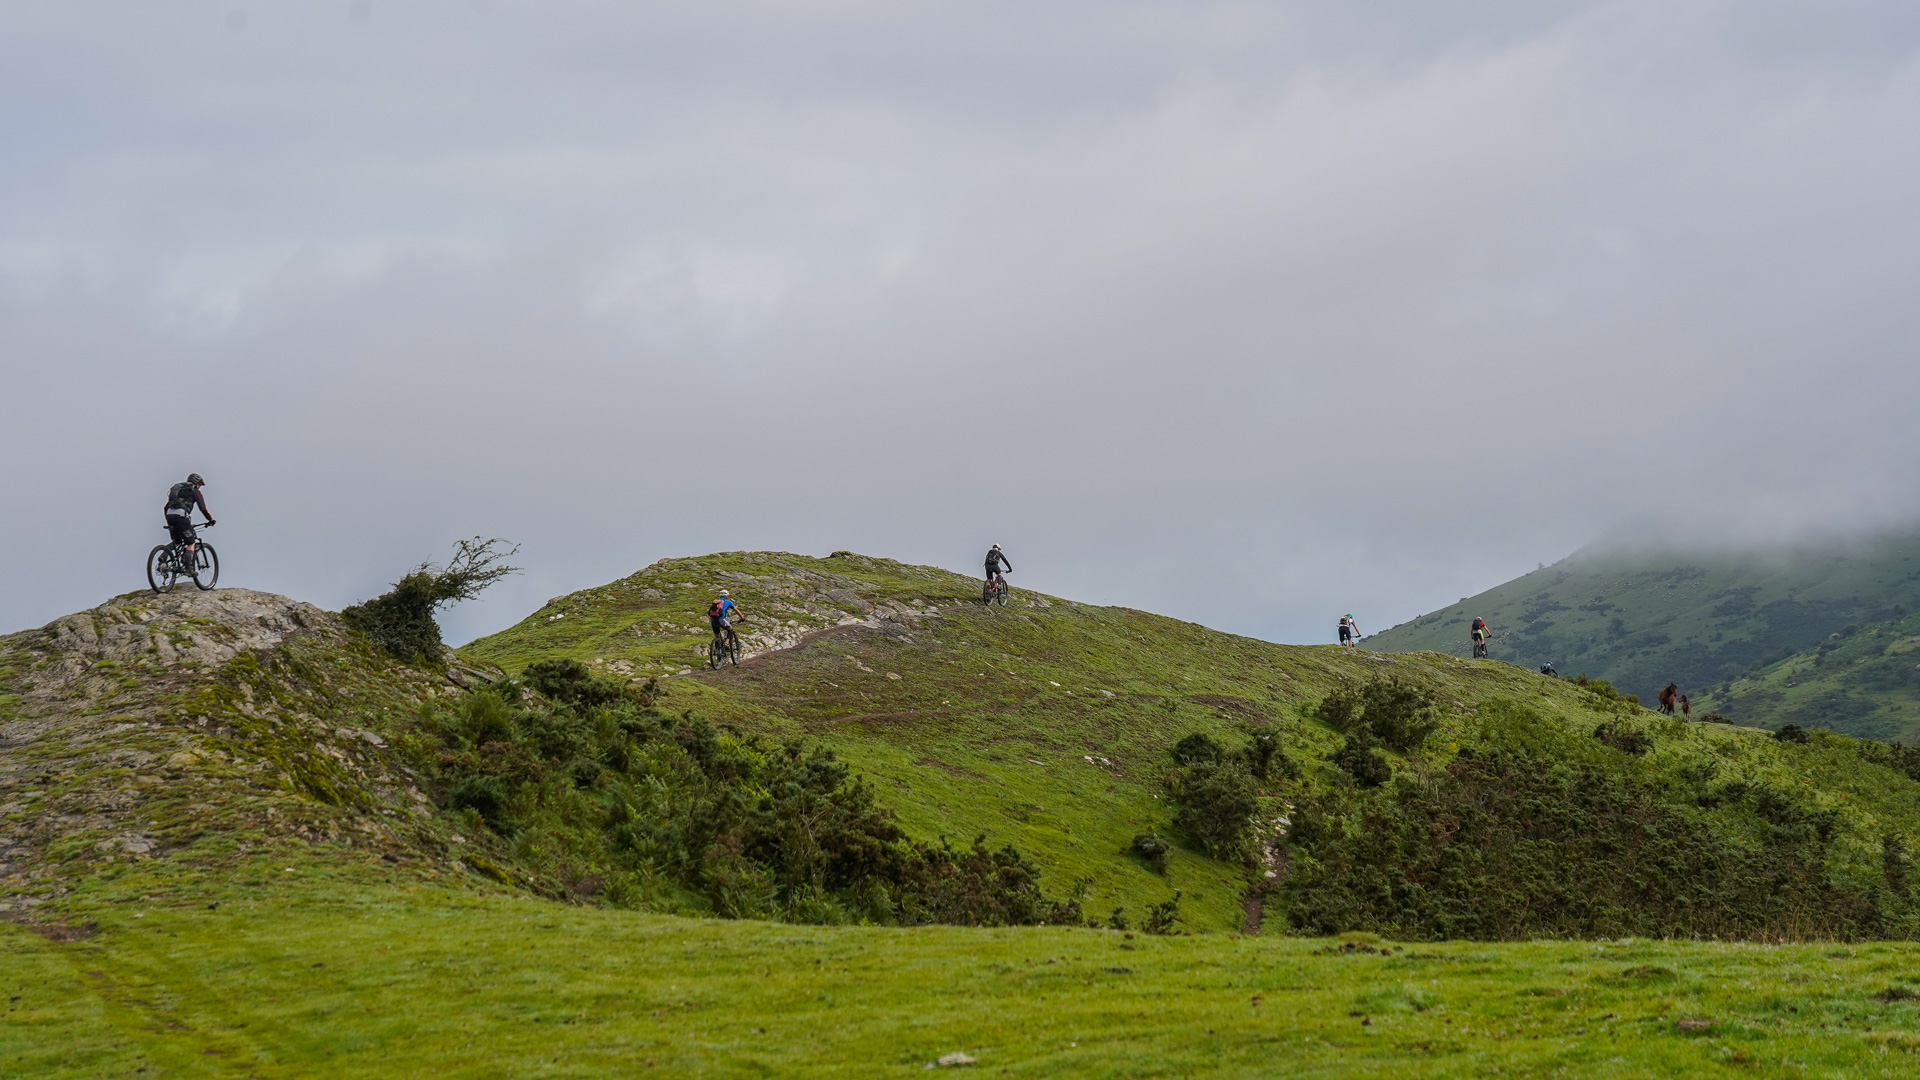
x=1480 y=636
x=720 y=612
x=995 y=557
x=1549 y=670
x=1349 y=630
x=181 y=499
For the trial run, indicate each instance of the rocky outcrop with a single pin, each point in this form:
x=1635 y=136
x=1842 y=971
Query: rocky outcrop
x=151 y=722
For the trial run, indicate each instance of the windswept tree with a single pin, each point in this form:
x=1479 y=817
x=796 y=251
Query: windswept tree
x=401 y=619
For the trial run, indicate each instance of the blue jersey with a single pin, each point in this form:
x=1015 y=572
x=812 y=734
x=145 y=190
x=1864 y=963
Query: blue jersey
x=727 y=609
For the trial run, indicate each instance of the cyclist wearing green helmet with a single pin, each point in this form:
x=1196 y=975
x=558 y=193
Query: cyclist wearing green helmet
x=1349 y=630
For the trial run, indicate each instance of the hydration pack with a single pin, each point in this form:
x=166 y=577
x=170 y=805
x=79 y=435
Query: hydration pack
x=181 y=497
x=715 y=610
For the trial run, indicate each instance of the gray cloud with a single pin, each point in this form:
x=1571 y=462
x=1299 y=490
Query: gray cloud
x=1254 y=314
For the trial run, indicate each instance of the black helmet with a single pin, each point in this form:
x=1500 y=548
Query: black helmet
x=196 y=480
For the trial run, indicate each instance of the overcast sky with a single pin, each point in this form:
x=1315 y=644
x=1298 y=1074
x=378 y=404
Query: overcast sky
x=1253 y=314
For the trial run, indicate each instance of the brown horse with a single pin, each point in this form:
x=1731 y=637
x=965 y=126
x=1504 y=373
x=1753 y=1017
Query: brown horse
x=1686 y=707
x=1667 y=697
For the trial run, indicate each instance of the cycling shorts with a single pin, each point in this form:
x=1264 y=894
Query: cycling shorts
x=719 y=624
x=180 y=527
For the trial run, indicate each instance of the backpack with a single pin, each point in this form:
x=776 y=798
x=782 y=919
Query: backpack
x=180 y=497
x=715 y=610
x=1479 y=624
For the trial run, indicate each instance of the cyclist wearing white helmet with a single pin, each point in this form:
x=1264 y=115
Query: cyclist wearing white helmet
x=720 y=612
x=995 y=558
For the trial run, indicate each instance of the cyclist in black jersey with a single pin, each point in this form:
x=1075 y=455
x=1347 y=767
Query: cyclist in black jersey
x=995 y=558
x=181 y=499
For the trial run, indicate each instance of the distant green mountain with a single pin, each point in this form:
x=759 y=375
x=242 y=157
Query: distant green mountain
x=1861 y=679
x=1644 y=619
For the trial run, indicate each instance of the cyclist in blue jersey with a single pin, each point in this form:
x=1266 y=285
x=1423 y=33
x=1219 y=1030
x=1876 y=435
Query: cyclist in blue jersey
x=721 y=614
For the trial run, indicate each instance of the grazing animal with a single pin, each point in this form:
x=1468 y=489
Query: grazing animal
x=1667 y=697
x=1686 y=707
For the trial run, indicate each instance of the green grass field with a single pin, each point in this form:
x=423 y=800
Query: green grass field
x=326 y=969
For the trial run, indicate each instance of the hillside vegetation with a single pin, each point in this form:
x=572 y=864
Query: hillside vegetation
x=240 y=840
x=1523 y=806
x=1643 y=620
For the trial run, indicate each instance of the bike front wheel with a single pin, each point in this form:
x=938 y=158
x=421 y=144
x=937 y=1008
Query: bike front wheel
x=159 y=576
x=1002 y=592
x=716 y=652
x=733 y=650
x=206 y=566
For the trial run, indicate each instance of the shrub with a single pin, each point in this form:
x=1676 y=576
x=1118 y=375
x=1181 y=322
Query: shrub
x=484 y=795
x=1217 y=803
x=1400 y=714
x=484 y=717
x=1623 y=738
x=1151 y=848
x=569 y=681
x=1360 y=759
x=400 y=620
x=1196 y=748
x=1161 y=916
x=666 y=809
x=1266 y=760
x=1390 y=711
x=1340 y=709
x=1793 y=733
x=1501 y=845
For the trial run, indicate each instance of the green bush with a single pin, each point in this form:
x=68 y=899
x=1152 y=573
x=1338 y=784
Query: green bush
x=400 y=620
x=1793 y=733
x=1391 y=711
x=591 y=786
x=1623 y=738
x=1196 y=748
x=1151 y=848
x=1216 y=804
x=1500 y=845
x=1360 y=758
x=484 y=795
x=1266 y=760
x=1161 y=916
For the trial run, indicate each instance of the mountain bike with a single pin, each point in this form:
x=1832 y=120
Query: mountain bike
x=723 y=648
x=171 y=561
x=1480 y=650
x=995 y=591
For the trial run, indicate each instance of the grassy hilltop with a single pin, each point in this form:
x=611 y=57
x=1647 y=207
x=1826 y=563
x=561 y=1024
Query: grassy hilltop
x=237 y=839
x=1704 y=621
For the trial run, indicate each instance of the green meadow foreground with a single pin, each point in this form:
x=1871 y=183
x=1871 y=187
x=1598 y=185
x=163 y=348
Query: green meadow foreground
x=323 y=971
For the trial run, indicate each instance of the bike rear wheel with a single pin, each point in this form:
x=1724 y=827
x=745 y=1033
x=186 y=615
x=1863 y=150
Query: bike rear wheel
x=160 y=578
x=206 y=566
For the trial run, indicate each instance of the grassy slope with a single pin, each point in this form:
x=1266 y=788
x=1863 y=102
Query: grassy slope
x=1864 y=679
x=333 y=971
x=988 y=727
x=994 y=712
x=1641 y=621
